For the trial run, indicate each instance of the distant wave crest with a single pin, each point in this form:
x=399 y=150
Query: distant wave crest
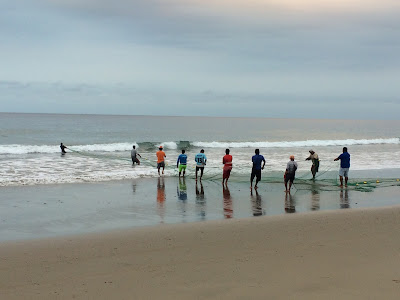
x=120 y=147
x=290 y=144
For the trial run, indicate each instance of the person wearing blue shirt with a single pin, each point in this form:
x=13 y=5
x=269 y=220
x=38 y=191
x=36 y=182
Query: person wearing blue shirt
x=344 y=166
x=257 y=167
x=200 y=160
x=182 y=159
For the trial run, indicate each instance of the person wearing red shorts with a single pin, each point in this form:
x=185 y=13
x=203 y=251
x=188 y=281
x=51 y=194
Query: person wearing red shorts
x=227 y=161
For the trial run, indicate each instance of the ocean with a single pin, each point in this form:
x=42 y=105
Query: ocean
x=100 y=146
x=94 y=187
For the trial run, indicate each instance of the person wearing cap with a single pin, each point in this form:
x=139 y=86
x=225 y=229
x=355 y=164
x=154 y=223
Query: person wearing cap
x=315 y=162
x=160 y=160
x=201 y=161
x=290 y=172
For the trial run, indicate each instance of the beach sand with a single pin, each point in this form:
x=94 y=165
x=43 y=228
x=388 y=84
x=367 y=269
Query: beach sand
x=346 y=254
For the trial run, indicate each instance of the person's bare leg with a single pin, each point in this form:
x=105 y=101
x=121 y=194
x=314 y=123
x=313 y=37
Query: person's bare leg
x=341 y=181
x=345 y=181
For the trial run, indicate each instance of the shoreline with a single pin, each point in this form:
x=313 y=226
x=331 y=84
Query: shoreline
x=349 y=254
x=59 y=210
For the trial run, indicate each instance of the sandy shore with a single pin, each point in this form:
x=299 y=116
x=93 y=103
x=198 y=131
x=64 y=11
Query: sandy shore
x=352 y=254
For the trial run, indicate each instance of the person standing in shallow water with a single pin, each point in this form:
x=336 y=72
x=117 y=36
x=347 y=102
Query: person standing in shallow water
x=344 y=166
x=182 y=159
x=134 y=153
x=290 y=172
x=160 y=160
x=257 y=167
x=227 y=161
x=315 y=162
x=201 y=161
x=63 y=148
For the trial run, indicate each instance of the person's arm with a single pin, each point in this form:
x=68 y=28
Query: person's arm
x=223 y=160
x=308 y=158
x=139 y=155
x=177 y=162
x=337 y=158
x=262 y=168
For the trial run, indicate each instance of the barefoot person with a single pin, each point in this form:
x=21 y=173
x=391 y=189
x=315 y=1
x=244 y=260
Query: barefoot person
x=134 y=155
x=257 y=167
x=201 y=161
x=227 y=161
x=160 y=159
x=182 y=159
x=315 y=162
x=290 y=172
x=344 y=166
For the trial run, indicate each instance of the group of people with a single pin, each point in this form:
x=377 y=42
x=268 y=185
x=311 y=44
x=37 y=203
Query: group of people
x=258 y=165
x=257 y=160
x=291 y=168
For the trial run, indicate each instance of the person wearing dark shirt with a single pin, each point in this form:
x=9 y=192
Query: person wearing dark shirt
x=344 y=166
x=63 y=148
x=258 y=165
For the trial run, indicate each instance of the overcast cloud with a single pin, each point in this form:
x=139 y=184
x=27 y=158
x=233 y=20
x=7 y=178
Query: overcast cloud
x=270 y=58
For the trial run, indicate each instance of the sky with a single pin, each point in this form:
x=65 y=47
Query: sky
x=327 y=59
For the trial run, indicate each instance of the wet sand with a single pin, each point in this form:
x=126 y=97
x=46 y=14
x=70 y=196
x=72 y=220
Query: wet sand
x=342 y=254
x=41 y=211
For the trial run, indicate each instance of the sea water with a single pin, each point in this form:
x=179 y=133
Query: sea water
x=100 y=146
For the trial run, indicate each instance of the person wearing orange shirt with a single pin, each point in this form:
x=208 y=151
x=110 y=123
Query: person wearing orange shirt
x=160 y=160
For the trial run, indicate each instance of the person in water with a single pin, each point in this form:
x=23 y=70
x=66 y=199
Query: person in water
x=134 y=153
x=227 y=161
x=63 y=148
x=201 y=161
x=290 y=172
x=344 y=166
x=257 y=167
x=182 y=159
x=160 y=159
x=315 y=162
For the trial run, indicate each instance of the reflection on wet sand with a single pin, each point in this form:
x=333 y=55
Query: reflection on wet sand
x=161 y=198
x=228 y=206
x=256 y=204
x=290 y=204
x=315 y=197
x=344 y=198
x=200 y=201
x=181 y=190
x=134 y=187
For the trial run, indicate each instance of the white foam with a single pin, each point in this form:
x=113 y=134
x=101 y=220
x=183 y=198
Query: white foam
x=290 y=144
x=169 y=145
